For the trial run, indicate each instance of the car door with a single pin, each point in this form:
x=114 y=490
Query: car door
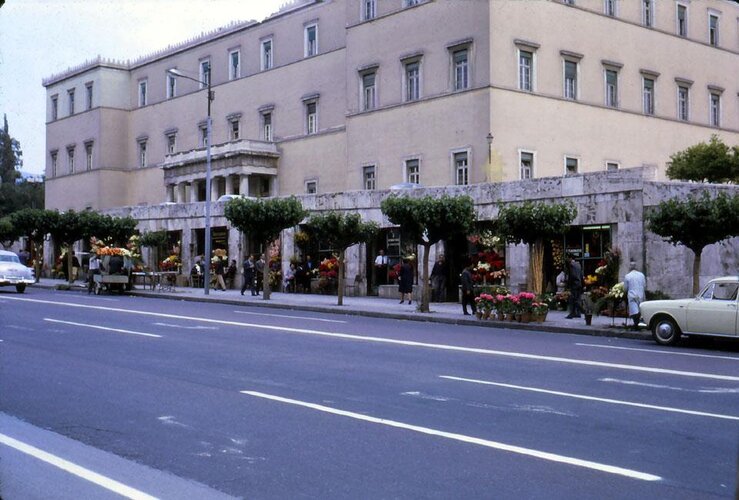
x=715 y=311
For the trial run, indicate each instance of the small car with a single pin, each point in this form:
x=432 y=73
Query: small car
x=714 y=312
x=13 y=273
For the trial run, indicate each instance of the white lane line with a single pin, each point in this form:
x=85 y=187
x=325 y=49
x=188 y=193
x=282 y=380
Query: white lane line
x=118 y=330
x=710 y=390
x=553 y=457
x=593 y=398
x=87 y=474
x=291 y=317
x=446 y=347
x=197 y=327
x=658 y=351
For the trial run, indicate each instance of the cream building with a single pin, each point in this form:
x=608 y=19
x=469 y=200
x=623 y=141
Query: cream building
x=355 y=96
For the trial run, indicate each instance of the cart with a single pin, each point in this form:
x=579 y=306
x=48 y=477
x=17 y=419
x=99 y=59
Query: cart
x=119 y=281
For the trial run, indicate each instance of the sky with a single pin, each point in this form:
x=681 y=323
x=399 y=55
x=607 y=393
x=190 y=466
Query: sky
x=39 y=38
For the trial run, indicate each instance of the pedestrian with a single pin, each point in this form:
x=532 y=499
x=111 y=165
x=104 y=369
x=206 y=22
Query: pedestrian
x=220 y=271
x=381 y=267
x=290 y=278
x=405 y=280
x=24 y=256
x=635 y=285
x=231 y=274
x=259 y=271
x=574 y=285
x=75 y=267
x=249 y=277
x=468 y=290
x=93 y=268
x=438 y=279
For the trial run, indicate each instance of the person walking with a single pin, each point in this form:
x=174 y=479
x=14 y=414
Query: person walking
x=438 y=279
x=220 y=271
x=468 y=290
x=574 y=285
x=405 y=280
x=249 y=277
x=93 y=268
x=259 y=271
x=635 y=285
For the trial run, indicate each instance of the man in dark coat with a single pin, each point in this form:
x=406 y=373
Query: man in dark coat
x=574 y=285
x=468 y=290
x=250 y=280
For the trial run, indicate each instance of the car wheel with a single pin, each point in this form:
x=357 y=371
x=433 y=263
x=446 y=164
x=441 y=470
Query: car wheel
x=20 y=288
x=665 y=331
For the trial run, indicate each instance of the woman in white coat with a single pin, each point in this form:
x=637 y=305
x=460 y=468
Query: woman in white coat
x=635 y=285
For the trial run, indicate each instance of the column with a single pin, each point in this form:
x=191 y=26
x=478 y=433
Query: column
x=214 y=185
x=181 y=192
x=194 y=191
x=229 y=184
x=171 y=193
x=244 y=185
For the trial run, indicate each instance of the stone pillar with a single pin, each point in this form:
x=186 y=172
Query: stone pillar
x=194 y=191
x=171 y=193
x=181 y=192
x=214 y=188
x=244 y=185
x=229 y=184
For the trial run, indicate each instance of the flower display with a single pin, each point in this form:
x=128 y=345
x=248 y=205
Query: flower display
x=113 y=251
x=490 y=266
x=171 y=263
x=329 y=268
x=485 y=302
x=394 y=272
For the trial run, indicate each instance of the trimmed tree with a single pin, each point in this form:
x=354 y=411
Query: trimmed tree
x=156 y=240
x=35 y=224
x=263 y=220
x=340 y=231
x=8 y=232
x=428 y=220
x=696 y=222
x=713 y=162
x=68 y=228
x=534 y=223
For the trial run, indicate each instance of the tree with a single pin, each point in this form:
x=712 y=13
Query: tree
x=696 y=222
x=14 y=197
x=10 y=155
x=156 y=240
x=713 y=162
x=340 y=231
x=35 y=224
x=534 y=223
x=263 y=220
x=8 y=232
x=67 y=228
x=428 y=220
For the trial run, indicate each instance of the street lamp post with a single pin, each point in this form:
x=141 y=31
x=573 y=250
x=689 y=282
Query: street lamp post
x=210 y=97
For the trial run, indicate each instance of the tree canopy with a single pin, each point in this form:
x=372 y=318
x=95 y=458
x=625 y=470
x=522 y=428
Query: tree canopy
x=10 y=155
x=696 y=222
x=713 y=162
x=8 y=232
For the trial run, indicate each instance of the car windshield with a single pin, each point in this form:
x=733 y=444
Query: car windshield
x=9 y=258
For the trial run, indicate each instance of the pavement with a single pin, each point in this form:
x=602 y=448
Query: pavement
x=441 y=312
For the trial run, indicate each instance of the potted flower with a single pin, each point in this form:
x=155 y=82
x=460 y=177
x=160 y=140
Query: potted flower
x=540 y=311
x=484 y=305
x=526 y=305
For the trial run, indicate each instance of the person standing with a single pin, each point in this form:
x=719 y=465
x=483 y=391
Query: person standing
x=381 y=267
x=574 y=285
x=231 y=274
x=220 y=271
x=249 y=278
x=468 y=290
x=635 y=285
x=93 y=269
x=259 y=270
x=438 y=279
x=405 y=280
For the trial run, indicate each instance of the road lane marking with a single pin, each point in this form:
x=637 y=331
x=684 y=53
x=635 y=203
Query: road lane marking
x=445 y=347
x=553 y=457
x=292 y=317
x=198 y=327
x=102 y=328
x=77 y=470
x=712 y=390
x=658 y=351
x=593 y=398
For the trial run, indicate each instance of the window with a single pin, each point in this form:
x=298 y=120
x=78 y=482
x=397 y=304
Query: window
x=412 y=171
x=171 y=86
x=572 y=165
x=611 y=88
x=203 y=134
x=311 y=40
x=267 y=126
x=88 y=156
x=570 y=83
x=526 y=162
x=53 y=163
x=682 y=20
x=715 y=109
x=683 y=102
x=234 y=65
x=460 y=59
x=70 y=95
x=234 y=129
x=70 y=159
x=413 y=81
x=142 y=93
x=611 y=166
x=609 y=7
x=311 y=118
x=369 y=9
x=368 y=91
x=411 y=3
x=204 y=73
x=647 y=13
x=713 y=29
x=88 y=88
x=171 y=143
x=368 y=177
x=525 y=70
x=461 y=168
x=266 y=54
x=311 y=187
x=648 y=96
x=54 y=107
x=142 y=153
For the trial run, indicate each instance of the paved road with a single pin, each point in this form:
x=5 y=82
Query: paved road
x=261 y=403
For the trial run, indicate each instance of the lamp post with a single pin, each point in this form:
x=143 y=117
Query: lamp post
x=210 y=96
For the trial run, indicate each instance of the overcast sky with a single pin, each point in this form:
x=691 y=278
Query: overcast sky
x=39 y=38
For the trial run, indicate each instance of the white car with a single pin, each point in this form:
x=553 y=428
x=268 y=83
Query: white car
x=714 y=312
x=12 y=272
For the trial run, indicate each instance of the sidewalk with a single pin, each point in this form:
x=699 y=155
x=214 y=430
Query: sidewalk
x=446 y=312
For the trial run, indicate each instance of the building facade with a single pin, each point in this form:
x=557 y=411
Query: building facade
x=356 y=96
